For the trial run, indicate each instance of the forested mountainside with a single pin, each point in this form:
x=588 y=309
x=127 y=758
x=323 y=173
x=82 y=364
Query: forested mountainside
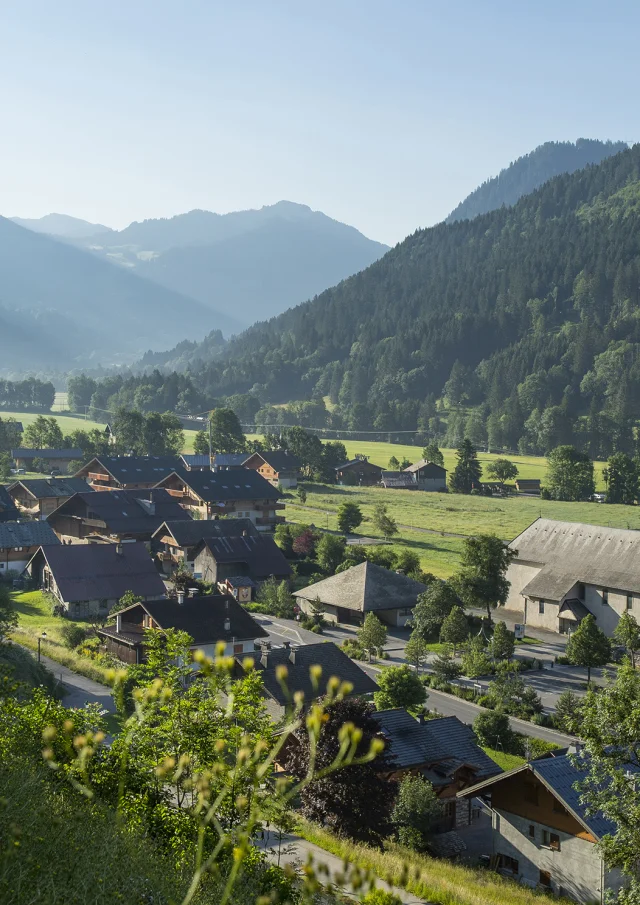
x=63 y=307
x=528 y=315
x=529 y=172
x=251 y=264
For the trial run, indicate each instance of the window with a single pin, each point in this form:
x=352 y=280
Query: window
x=545 y=879
x=629 y=602
x=541 y=606
x=605 y=597
x=532 y=831
x=551 y=840
x=510 y=864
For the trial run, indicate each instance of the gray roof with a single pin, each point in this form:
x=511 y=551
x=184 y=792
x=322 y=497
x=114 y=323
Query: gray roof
x=229 y=460
x=122 y=511
x=260 y=554
x=560 y=775
x=572 y=551
x=189 y=533
x=327 y=655
x=235 y=484
x=573 y=609
x=25 y=453
x=278 y=459
x=27 y=534
x=101 y=572
x=8 y=509
x=352 y=462
x=366 y=587
x=137 y=469
x=46 y=488
x=397 y=479
x=447 y=741
x=437 y=470
x=195 y=461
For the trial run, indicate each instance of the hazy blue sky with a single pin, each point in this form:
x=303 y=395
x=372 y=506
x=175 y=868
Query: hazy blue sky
x=382 y=114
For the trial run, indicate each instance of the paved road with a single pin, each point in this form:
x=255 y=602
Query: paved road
x=78 y=689
x=293 y=850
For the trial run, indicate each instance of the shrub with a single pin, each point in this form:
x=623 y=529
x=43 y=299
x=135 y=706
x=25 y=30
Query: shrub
x=354 y=649
x=73 y=635
x=381 y=897
x=494 y=731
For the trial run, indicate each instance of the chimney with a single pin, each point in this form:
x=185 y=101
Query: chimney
x=244 y=532
x=193 y=592
x=119 y=549
x=292 y=656
x=264 y=659
x=286 y=645
x=421 y=719
x=227 y=624
x=180 y=598
x=226 y=603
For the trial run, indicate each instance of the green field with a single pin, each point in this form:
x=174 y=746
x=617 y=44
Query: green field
x=444 y=514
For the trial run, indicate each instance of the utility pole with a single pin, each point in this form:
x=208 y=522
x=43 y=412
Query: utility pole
x=210 y=446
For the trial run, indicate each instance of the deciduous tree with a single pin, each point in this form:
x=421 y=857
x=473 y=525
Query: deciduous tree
x=588 y=646
x=226 y=432
x=482 y=579
x=372 y=635
x=569 y=475
x=383 y=522
x=455 y=628
x=349 y=517
x=502 y=470
x=503 y=642
x=330 y=551
x=416 y=650
x=416 y=811
x=432 y=453
x=399 y=687
x=433 y=607
x=627 y=633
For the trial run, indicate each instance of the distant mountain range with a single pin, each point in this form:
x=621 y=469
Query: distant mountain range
x=62 y=225
x=243 y=266
x=528 y=173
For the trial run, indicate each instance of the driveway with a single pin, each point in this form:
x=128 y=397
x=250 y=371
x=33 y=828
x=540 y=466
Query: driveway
x=79 y=690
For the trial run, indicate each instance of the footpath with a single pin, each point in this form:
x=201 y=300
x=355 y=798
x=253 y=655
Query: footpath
x=78 y=690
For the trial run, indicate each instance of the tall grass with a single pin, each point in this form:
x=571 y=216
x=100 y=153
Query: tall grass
x=433 y=880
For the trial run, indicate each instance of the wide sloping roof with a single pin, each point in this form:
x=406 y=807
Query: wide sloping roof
x=140 y=469
x=423 y=464
x=278 y=459
x=27 y=534
x=235 y=484
x=125 y=511
x=609 y=557
x=229 y=460
x=366 y=587
x=24 y=453
x=193 y=460
x=188 y=533
x=414 y=743
x=549 y=584
x=327 y=655
x=560 y=775
x=99 y=571
x=358 y=462
x=204 y=618
x=45 y=488
x=261 y=554
x=7 y=506
x=397 y=479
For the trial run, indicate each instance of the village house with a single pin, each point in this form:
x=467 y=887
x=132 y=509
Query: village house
x=564 y=570
x=89 y=579
x=429 y=476
x=358 y=472
x=398 y=480
x=208 y=620
x=55 y=460
x=8 y=510
x=238 y=493
x=298 y=661
x=119 y=515
x=175 y=542
x=365 y=588
x=218 y=559
x=280 y=467
x=39 y=497
x=444 y=751
x=128 y=472
x=225 y=461
x=19 y=541
x=542 y=834
x=195 y=462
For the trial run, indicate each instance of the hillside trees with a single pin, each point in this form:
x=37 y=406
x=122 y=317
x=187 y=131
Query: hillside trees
x=349 y=517
x=399 y=687
x=569 y=475
x=43 y=433
x=482 y=579
x=468 y=470
x=588 y=646
x=226 y=432
x=622 y=477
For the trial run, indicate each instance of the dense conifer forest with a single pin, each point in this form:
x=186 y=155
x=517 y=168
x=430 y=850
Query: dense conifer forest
x=524 y=324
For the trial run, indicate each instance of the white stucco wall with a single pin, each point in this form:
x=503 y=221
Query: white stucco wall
x=576 y=869
x=518 y=575
x=607 y=615
x=547 y=620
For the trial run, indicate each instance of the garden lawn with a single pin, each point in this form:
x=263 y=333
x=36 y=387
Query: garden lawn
x=504 y=761
x=34 y=617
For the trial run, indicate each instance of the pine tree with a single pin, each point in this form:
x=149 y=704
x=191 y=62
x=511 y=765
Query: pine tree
x=588 y=646
x=372 y=635
x=455 y=628
x=468 y=471
x=503 y=642
x=627 y=633
x=416 y=650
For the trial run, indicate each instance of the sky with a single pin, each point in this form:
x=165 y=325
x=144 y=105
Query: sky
x=381 y=114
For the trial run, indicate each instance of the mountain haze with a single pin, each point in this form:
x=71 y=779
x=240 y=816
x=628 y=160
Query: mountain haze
x=528 y=173
x=61 y=225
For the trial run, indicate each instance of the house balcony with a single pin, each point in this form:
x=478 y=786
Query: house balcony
x=267 y=522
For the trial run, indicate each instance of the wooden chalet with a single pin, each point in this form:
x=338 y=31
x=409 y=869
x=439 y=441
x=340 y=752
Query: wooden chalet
x=19 y=541
x=258 y=558
x=118 y=515
x=359 y=472
x=280 y=467
x=56 y=460
x=428 y=476
x=238 y=493
x=175 y=542
x=195 y=462
x=39 y=497
x=8 y=510
x=128 y=472
x=208 y=620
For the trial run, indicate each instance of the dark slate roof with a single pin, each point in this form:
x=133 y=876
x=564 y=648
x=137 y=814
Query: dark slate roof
x=428 y=466
x=398 y=479
x=358 y=462
x=195 y=461
x=24 y=453
x=261 y=554
x=189 y=533
x=235 y=484
x=132 y=511
x=27 y=534
x=140 y=469
x=44 y=488
x=328 y=655
x=229 y=460
x=8 y=509
x=278 y=459
x=99 y=571
x=366 y=587
x=561 y=774
x=204 y=617
x=434 y=741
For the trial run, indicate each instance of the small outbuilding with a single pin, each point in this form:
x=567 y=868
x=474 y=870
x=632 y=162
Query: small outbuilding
x=358 y=472
x=428 y=476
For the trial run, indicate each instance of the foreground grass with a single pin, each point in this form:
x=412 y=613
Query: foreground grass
x=422 y=876
x=34 y=617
